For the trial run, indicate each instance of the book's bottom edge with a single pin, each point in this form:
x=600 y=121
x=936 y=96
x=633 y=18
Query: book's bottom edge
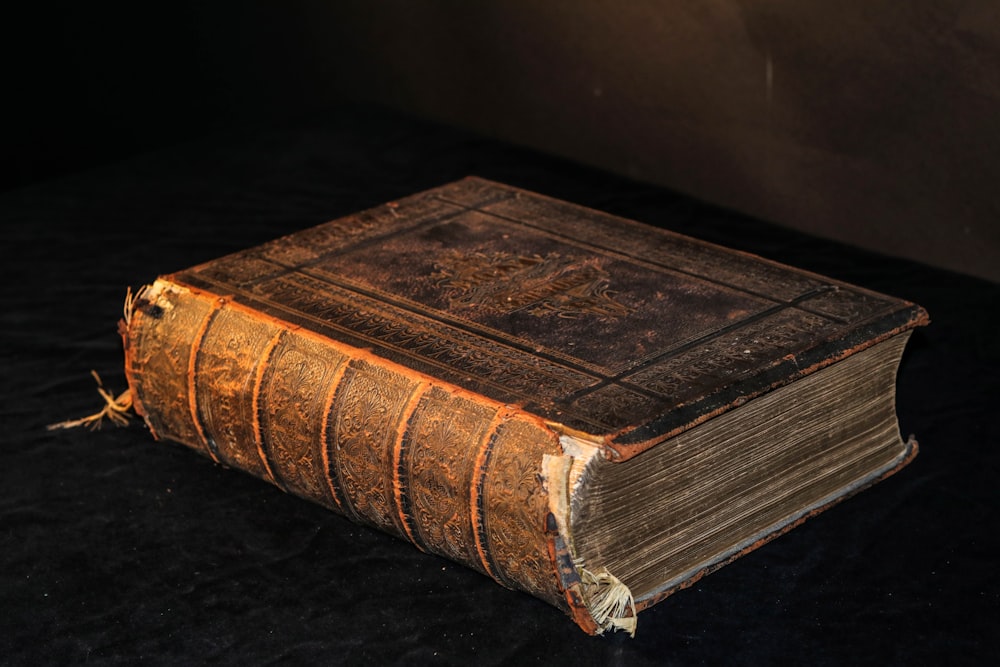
x=759 y=539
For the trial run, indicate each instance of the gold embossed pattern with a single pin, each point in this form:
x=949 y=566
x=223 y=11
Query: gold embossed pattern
x=505 y=282
x=233 y=347
x=365 y=419
x=439 y=455
x=419 y=460
x=514 y=507
x=291 y=414
x=161 y=344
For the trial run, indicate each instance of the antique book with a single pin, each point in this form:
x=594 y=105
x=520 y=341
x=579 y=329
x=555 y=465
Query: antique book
x=585 y=408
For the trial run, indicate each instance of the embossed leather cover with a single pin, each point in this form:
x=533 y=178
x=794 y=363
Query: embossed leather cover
x=411 y=366
x=601 y=324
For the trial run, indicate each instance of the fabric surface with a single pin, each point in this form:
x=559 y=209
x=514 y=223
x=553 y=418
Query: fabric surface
x=117 y=549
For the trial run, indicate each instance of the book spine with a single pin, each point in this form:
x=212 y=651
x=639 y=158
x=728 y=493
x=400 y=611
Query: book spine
x=451 y=472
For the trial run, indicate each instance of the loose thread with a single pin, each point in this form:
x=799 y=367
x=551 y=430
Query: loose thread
x=131 y=298
x=116 y=410
x=609 y=600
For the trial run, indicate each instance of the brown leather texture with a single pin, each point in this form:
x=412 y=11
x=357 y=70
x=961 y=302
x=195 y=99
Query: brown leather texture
x=609 y=327
x=453 y=473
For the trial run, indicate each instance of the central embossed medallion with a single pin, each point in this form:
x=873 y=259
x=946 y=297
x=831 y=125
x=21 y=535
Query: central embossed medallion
x=504 y=282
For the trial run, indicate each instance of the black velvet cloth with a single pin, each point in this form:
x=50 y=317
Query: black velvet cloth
x=116 y=549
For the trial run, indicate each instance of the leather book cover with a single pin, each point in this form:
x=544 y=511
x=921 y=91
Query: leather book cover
x=418 y=367
x=603 y=325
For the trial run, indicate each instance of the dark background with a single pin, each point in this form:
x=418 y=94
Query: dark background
x=869 y=122
x=138 y=142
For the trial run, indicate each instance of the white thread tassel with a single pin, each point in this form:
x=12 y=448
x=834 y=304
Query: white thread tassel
x=609 y=600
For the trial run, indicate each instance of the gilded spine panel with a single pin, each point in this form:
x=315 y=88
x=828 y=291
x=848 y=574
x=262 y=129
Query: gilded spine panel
x=300 y=373
x=161 y=340
x=368 y=412
x=437 y=467
x=227 y=362
x=514 y=509
x=453 y=473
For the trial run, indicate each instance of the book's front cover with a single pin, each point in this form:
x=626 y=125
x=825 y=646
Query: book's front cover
x=606 y=326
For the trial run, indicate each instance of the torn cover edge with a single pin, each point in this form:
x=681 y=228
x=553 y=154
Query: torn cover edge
x=598 y=601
